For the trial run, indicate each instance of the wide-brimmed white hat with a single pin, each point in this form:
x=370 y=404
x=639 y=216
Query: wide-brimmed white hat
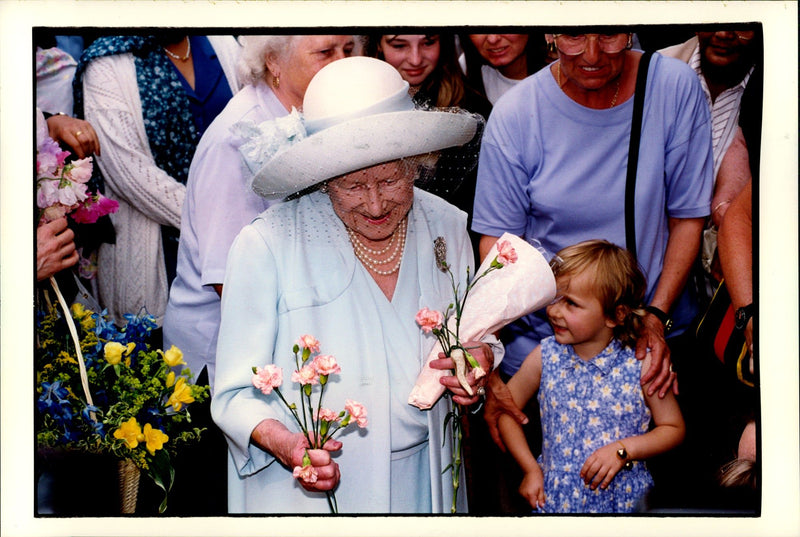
x=356 y=113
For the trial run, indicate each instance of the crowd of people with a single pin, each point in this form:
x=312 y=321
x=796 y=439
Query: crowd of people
x=271 y=186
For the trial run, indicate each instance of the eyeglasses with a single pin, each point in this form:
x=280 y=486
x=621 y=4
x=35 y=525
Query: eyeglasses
x=360 y=191
x=573 y=45
x=745 y=35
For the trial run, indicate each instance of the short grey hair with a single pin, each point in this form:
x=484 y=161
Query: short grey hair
x=252 y=65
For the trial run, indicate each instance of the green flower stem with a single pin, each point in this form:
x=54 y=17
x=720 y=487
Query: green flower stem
x=331 y=497
x=294 y=414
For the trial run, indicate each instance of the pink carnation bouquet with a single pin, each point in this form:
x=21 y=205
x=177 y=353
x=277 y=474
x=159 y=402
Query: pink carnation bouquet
x=317 y=423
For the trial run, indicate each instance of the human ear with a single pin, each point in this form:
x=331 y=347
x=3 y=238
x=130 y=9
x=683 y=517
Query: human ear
x=620 y=312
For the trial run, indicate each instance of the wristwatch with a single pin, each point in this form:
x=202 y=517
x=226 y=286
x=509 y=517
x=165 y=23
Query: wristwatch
x=662 y=316
x=743 y=315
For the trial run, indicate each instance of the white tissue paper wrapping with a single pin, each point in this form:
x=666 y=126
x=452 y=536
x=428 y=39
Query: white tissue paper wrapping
x=501 y=297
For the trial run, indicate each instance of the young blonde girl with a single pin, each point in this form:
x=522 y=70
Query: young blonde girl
x=595 y=412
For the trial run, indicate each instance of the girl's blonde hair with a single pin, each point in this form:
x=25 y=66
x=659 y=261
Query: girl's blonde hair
x=619 y=283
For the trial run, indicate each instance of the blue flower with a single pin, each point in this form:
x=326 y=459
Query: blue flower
x=96 y=425
x=54 y=401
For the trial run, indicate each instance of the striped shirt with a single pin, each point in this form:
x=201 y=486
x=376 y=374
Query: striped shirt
x=724 y=111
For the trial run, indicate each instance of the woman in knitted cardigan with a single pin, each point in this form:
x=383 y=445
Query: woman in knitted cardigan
x=149 y=99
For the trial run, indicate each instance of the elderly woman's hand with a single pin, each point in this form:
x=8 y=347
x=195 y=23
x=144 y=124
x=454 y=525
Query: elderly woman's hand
x=660 y=371
x=499 y=401
x=290 y=449
x=484 y=356
x=78 y=134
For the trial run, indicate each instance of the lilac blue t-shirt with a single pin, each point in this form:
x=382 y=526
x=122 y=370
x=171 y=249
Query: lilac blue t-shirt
x=553 y=170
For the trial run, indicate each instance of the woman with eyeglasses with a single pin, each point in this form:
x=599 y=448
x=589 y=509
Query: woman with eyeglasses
x=553 y=167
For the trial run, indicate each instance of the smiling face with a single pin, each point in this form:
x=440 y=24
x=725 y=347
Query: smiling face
x=505 y=52
x=723 y=49
x=577 y=315
x=414 y=56
x=372 y=202
x=591 y=70
x=307 y=56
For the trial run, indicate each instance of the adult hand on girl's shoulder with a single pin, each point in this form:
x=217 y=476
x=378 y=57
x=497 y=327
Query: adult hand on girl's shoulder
x=659 y=372
x=532 y=487
x=601 y=466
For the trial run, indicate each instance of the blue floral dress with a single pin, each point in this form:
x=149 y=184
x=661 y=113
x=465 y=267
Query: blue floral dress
x=585 y=405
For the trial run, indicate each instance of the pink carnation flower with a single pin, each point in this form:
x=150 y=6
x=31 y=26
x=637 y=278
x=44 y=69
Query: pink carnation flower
x=307 y=474
x=506 y=254
x=306 y=375
x=268 y=378
x=357 y=412
x=429 y=319
x=326 y=414
x=308 y=342
x=325 y=364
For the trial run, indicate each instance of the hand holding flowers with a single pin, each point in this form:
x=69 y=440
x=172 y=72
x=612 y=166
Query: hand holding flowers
x=307 y=451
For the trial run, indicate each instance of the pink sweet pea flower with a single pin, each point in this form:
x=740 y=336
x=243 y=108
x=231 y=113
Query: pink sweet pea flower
x=72 y=194
x=307 y=474
x=93 y=208
x=357 y=412
x=268 y=378
x=429 y=319
x=47 y=193
x=80 y=170
x=326 y=414
x=306 y=375
x=506 y=254
x=325 y=364
x=308 y=342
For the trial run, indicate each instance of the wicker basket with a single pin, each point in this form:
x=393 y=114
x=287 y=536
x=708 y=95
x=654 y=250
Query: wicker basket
x=129 y=475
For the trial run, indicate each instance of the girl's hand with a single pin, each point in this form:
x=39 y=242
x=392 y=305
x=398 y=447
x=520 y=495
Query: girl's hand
x=601 y=466
x=532 y=488
x=484 y=356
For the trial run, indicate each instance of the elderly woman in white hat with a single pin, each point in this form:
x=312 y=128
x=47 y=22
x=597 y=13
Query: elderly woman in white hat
x=350 y=261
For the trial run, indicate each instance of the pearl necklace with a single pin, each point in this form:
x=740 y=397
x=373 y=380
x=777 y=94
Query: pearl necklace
x=178 y=57
x=365 y=255
x=616 y=91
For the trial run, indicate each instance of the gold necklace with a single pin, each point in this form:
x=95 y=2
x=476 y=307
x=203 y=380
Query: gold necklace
x=178 y=57
x=616 y=91
x=363 y=253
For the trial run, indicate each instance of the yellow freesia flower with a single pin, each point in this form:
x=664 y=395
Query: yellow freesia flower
x=154 y=438
x=130 y=432
x=173 y=356
x=181 y=395
x=83 y=315
x=114 y=351
x=170 y=378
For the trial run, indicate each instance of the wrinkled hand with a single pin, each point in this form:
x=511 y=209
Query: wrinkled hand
x=55 y=248
x=483 y=355
x=499 y=401
x=601 y=466
x=532 y=488
x=327 y=471
x=78 y=134
x=652 y=338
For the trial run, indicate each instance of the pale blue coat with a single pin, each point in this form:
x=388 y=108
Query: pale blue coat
x=293 y=272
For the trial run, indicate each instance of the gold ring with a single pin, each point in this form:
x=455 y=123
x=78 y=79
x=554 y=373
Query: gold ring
x=670 y=368
x=78 y=133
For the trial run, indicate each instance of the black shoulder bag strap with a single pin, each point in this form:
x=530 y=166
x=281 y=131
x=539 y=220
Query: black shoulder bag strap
x=633 y=153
